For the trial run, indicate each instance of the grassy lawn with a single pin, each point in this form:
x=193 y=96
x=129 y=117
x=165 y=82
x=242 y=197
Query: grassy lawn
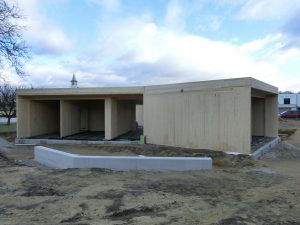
x=6 y=129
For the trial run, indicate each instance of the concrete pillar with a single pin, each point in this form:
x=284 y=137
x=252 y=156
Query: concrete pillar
x=140 y=115
x=133 y=116
x=23 y=117
x=69 y=118
x=271 y=116
x=111 y=115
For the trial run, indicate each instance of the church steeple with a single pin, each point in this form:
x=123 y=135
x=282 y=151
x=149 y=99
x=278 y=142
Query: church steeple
x=73 y=82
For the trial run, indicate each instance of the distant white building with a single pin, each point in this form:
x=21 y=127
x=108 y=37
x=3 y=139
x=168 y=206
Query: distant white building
x=288 y=102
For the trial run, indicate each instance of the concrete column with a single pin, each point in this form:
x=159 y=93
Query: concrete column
x=271 y=116
x=111 y=118
x=69 y=118
x=140 y=114
x=133 y=116
x=23 y=117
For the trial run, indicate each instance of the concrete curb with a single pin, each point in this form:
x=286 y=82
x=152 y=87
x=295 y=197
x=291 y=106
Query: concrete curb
x=262 y=150
x=71 y=142
x=62 y=160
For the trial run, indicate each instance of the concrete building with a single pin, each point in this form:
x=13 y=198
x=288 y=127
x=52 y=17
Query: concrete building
x=288 y=102
x=218 y=115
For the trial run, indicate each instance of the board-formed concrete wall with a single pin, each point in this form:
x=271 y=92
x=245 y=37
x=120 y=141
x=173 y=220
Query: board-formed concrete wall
x=69 y=118
x=23 y=117
x=258 y=116
x=126 y=116
x=211 y=118
x=96 y=115
x=37 y=117
x=210 y=114
x=271 y=115
x=44 y=117
x=140 y=114
x=119 y=117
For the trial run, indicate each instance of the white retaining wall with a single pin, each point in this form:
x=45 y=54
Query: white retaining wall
x=62 y=160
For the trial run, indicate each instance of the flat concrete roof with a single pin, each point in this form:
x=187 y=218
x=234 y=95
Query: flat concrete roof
x=190 y=86
x=81 y=91
x=213 y=84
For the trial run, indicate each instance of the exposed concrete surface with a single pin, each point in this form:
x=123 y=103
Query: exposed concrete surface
x=73 y=142
x=63 y=160
x=283 y=151
x=222 y=122
x=267 y=147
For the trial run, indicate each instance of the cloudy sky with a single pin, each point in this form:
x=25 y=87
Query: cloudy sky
x=140 y=42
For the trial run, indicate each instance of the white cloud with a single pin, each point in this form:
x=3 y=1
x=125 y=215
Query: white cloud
x=215 y=24
x=108 y=5
x=257 y=45
x=44 y=36
x=141 y=52
x=271 y=49
x=88 y=73
x=147 y=54
x=268 y=9
x=174 y=17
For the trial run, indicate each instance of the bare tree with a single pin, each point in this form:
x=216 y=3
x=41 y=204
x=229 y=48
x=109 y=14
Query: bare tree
x=13 y=50
x=7 y=102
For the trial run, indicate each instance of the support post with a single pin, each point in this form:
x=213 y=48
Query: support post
x=111 y=121
x=271 y=116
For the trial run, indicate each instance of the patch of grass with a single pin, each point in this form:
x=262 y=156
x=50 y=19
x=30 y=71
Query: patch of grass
x=7 y=128
x=287 y=132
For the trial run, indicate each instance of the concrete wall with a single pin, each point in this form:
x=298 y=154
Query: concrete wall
x=119 y=117
x=44 y=117
x=217 y=119
x=96 y=115
x=111 y=129
x=140 y=114
x=271 y=116
x=258 y=116
x=69 y=118
x=63 y=160
x=23 y=117
x=126 y=116
x=213 y=114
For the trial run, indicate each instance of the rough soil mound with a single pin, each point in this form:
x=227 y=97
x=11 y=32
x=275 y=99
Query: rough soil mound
x=283 y=151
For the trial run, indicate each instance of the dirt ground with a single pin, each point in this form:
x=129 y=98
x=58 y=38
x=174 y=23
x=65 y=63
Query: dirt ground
x=261 y=192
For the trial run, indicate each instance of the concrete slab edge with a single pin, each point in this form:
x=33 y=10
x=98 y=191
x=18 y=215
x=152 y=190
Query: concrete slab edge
x=262 y=150
x=25 y=141
x=62 y=160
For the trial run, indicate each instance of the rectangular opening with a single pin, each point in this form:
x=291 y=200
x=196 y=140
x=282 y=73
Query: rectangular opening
x=82 y=119
x=127 y=126
x=286 y=101
x=45 y=119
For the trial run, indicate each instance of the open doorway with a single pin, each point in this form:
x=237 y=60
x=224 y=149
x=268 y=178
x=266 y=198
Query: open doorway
x=82 y=120
x=45 y=119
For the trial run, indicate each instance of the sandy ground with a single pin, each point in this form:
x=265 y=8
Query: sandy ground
x=268 y=192
x=292 y=124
